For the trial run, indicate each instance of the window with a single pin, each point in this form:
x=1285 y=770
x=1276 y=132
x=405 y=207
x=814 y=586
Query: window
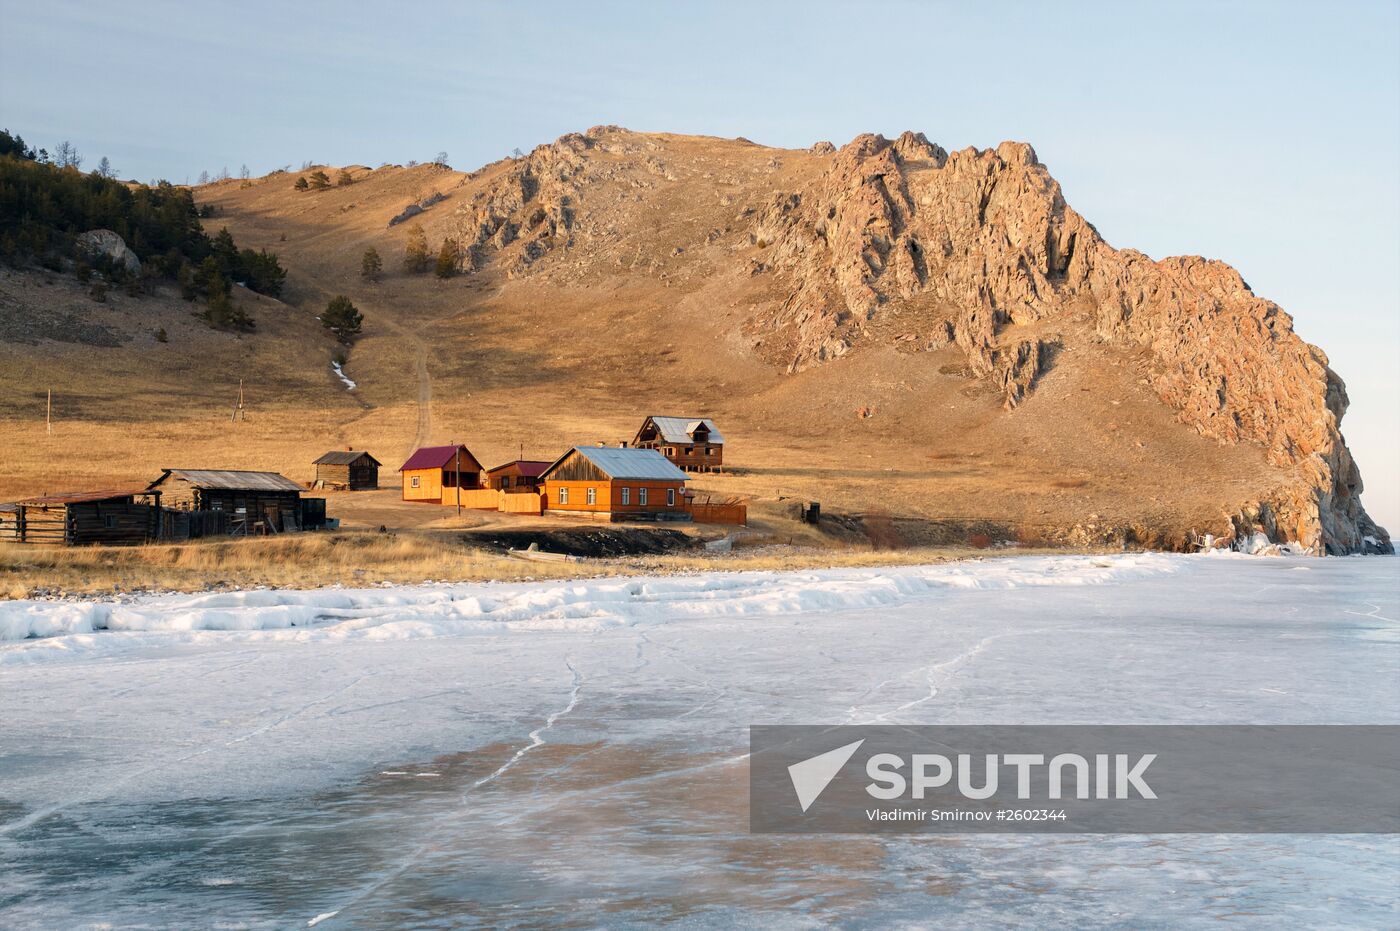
x=670 y=497
x=670 y=450
x=563 y=495
x=413 y=482
x=592 y=496
x=642 y=497
x=626 y=495
x=109 y=521
x=505 y=481
x=709 y=450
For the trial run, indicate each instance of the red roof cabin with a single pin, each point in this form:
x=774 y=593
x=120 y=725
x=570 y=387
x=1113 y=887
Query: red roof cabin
x=431 y=469
x=517 y=475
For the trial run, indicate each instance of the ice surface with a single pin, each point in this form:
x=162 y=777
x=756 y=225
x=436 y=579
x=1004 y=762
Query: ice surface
x=573 y=753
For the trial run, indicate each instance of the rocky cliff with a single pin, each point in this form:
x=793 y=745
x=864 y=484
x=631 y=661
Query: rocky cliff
x=975 y=249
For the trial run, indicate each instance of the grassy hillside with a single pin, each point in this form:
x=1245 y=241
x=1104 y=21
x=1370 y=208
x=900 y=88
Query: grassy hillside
x=641 y=313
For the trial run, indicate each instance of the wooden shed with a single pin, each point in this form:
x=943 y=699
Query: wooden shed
x=611 y=483
x=692 y=443
x=347 y=469
x=431 y=469
x=257 y=502
x=517 y=475
x=114 y=518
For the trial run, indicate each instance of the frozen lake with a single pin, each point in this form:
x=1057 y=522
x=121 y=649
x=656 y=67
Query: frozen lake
x=572 y=754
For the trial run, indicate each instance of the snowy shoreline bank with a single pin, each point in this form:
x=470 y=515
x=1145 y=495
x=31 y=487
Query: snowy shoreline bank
x=454 y=609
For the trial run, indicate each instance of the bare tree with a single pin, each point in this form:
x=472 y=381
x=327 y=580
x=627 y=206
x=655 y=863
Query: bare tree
x=105 y=169
x=66 y=155
x=223 y=175
x=204 y=177
x=440 y=160
x=516 y=153
x=244 y=173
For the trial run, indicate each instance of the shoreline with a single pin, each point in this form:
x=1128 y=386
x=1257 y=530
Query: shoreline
x=365 y=560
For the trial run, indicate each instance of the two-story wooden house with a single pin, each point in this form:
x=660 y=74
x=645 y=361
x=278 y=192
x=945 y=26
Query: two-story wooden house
x=692 y=443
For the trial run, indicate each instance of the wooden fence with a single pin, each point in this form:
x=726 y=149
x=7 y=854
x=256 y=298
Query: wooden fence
x=712 y=513
x=532 y=503
x=176 y=525
x=484 y=499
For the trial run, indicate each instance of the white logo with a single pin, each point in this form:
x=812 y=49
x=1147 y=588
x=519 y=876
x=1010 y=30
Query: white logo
x=811 y=777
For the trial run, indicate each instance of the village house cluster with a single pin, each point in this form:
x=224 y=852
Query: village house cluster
x=644 y=479
x=641 y=480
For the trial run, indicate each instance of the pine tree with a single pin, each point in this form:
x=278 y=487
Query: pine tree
x=415 y=254
x=105 y=169
x=342 y=179
x=301 y=184
x=371 y=268
x=320 y=180
x=447 y=259
x=341 y=317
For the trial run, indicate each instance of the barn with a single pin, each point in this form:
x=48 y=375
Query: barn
x=431 y=469
x=114 y=518
x=348 y=470
x=256 y=502
x=517 y=475
x=692 y=443
x=611 y=483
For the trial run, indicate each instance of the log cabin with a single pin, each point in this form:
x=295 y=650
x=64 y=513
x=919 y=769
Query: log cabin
x=256 y=502
x=692 y=443
x=113 y=518
x=431 y=469
x=348 y=469
x=610 y=483
x=517 y=475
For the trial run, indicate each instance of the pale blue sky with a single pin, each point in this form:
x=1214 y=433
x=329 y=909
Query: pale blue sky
x=1267 y=135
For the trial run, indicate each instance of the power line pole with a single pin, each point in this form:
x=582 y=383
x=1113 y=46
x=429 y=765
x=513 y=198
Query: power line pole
x=457 y=453
x=48 y=414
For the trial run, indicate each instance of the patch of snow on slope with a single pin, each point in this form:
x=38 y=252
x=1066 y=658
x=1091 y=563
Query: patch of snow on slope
x=404 y=612
x=340 y=373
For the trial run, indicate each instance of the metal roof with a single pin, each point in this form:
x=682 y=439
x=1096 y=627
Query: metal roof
x=628 y=462
x=435 y=457
x=681 y=429
x=344 y=457
x=81 y=497
x=529 y=468
x=233 y=480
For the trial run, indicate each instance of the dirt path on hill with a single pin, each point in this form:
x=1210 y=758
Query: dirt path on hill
x=425 y=382
x=370 y=310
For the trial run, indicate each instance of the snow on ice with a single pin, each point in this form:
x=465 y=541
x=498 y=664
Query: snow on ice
x=574 y=752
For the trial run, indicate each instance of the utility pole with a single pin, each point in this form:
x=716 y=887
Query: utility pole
x=238 y=410
x=48 y=414
x=457 y=454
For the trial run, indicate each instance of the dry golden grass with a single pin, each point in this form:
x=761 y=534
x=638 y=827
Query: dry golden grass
x=366 y=558
x=300 y=561
x=578 y=351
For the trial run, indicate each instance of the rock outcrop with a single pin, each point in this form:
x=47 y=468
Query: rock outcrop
x=527 y=210
x=988 y=236
x=109 y=245
x=976 y=249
